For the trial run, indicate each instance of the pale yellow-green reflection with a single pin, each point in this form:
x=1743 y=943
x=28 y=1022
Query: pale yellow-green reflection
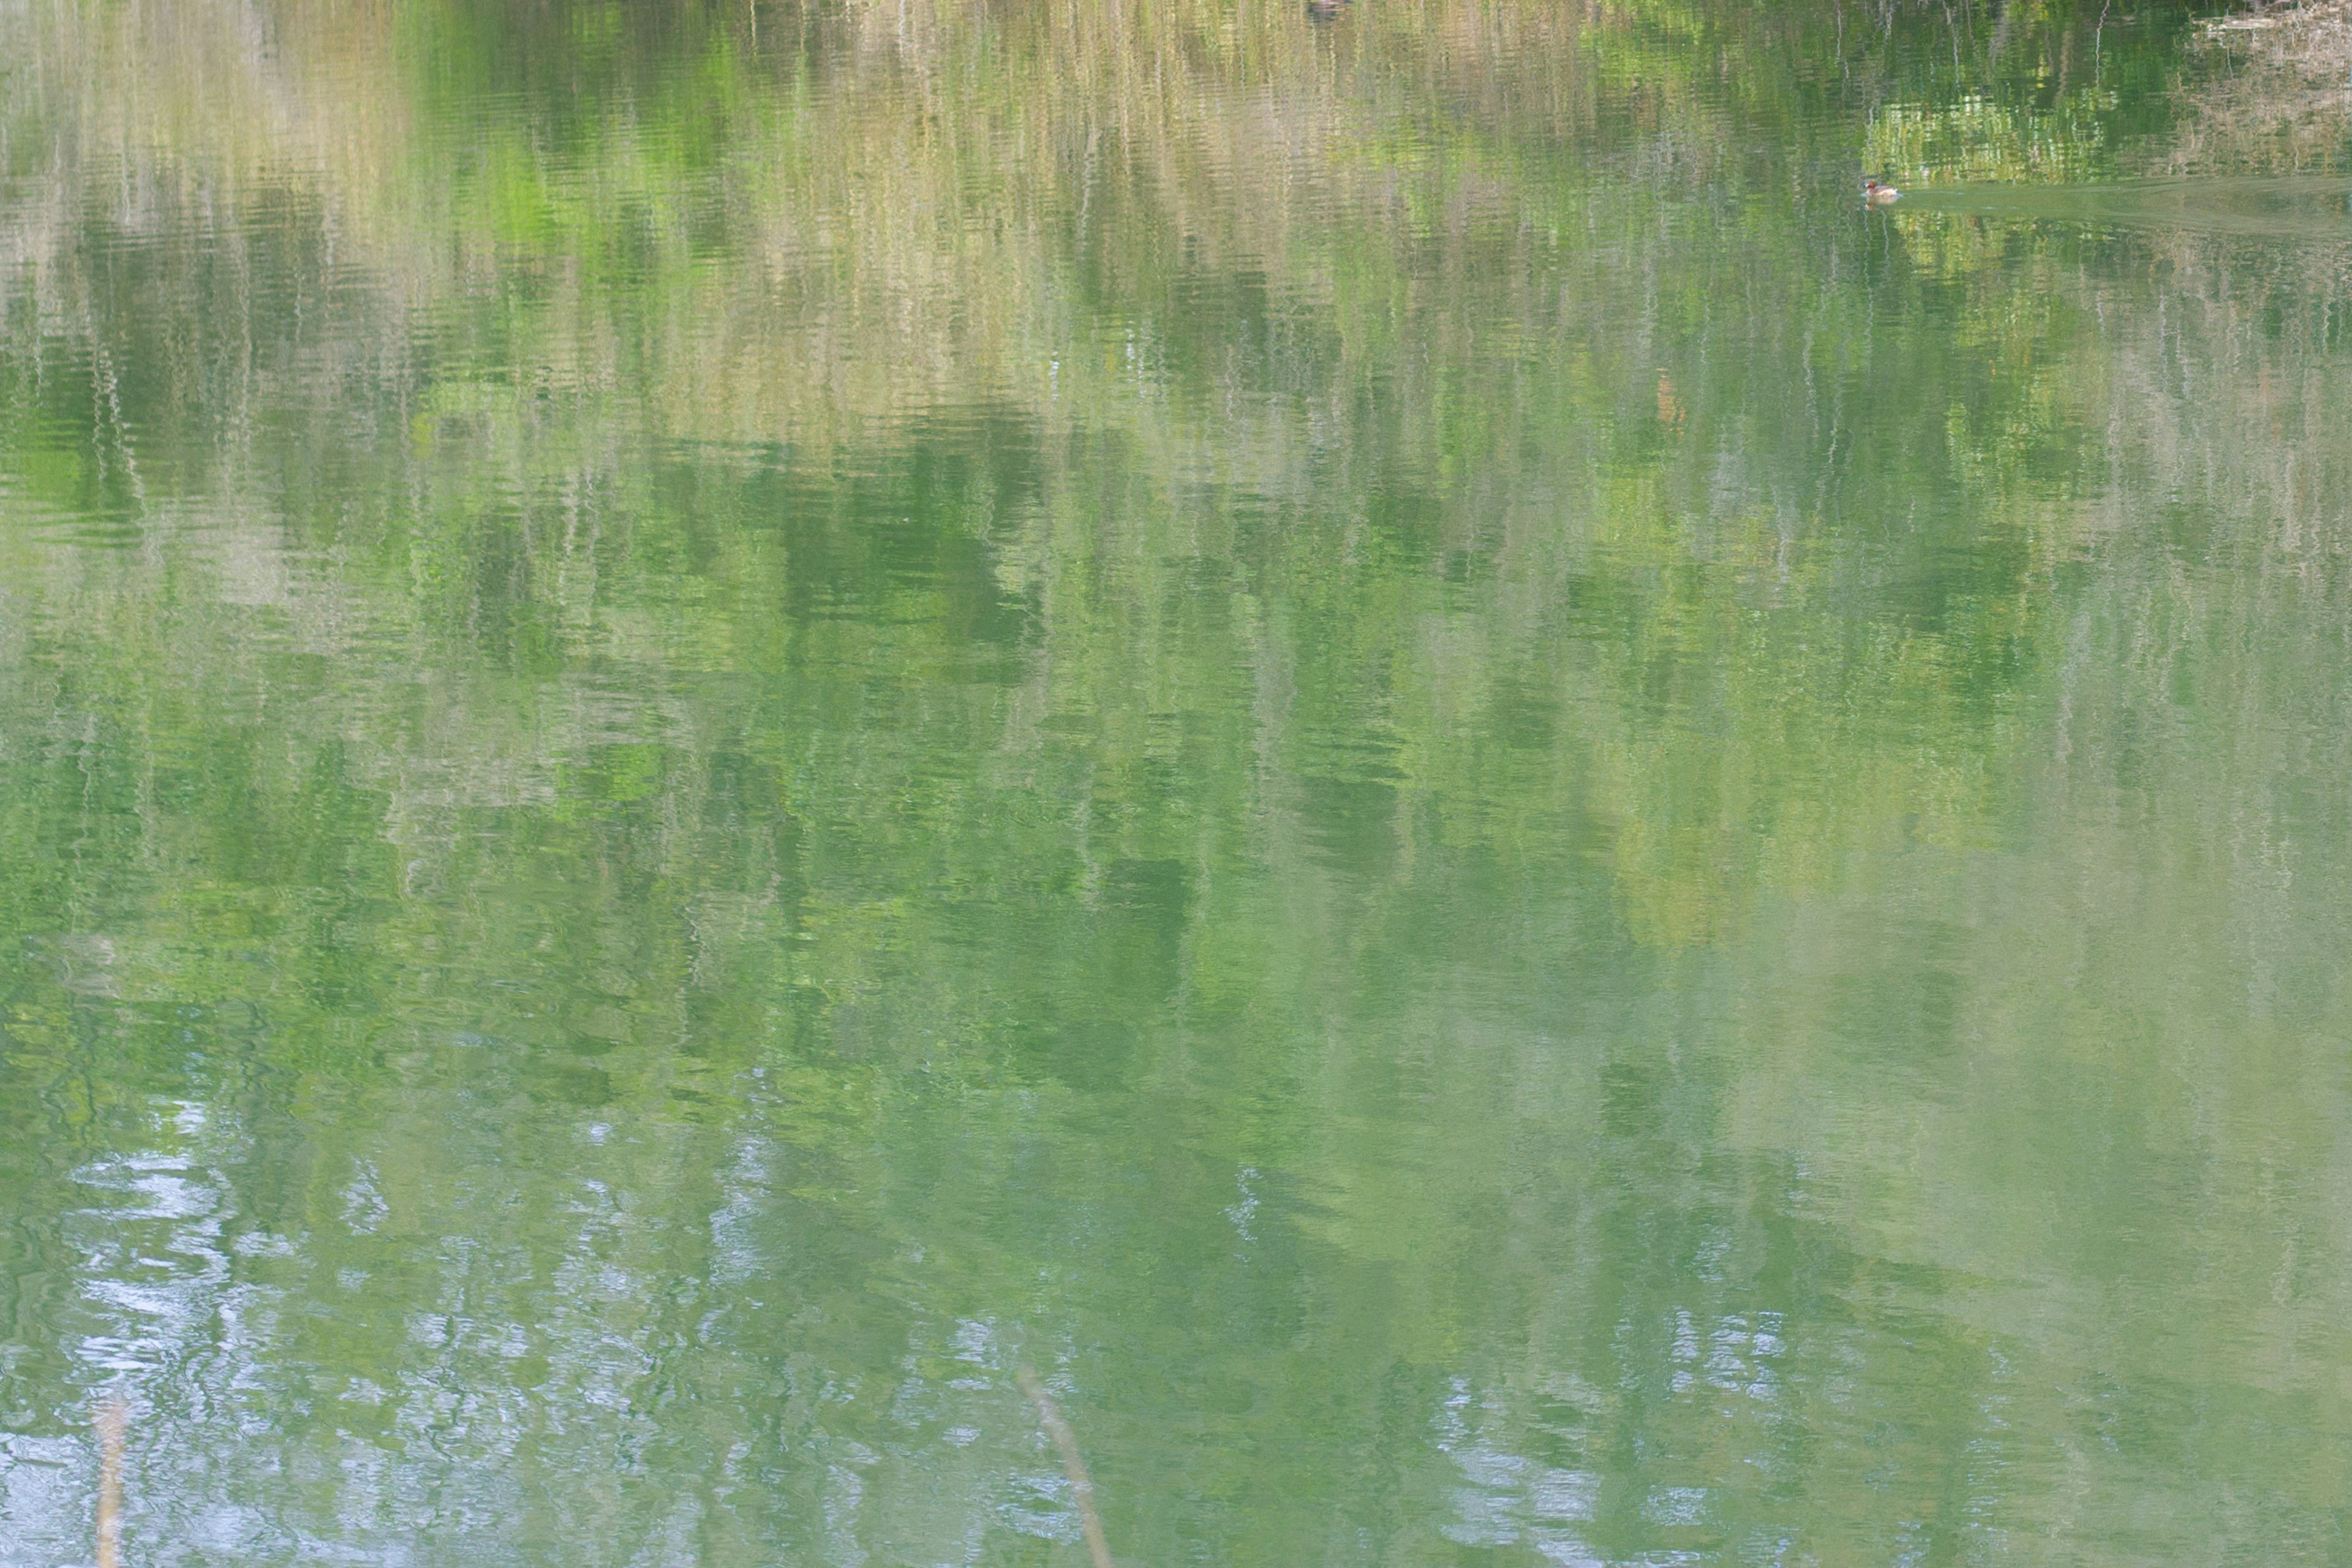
x=1377 y=738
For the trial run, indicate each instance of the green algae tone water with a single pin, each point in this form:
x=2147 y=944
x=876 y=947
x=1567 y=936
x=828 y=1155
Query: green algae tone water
x=1370 y=732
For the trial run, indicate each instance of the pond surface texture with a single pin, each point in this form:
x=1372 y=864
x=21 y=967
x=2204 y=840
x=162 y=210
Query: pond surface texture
x=1526 y=843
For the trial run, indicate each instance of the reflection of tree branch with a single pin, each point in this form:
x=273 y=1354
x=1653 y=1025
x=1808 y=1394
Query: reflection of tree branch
x=1073 y=1465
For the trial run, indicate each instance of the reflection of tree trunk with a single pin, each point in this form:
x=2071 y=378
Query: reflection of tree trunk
x=110 y=1419
x=1072 y=1466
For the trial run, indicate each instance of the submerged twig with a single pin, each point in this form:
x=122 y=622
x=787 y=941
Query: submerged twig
x=1072 y=1466
x=112 y=1419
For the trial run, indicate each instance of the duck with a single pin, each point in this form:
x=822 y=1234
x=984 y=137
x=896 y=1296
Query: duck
x=1878 y=194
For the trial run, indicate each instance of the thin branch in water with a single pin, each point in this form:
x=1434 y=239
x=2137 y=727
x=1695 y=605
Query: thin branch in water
x=111 y=1419
x=1072 y=1466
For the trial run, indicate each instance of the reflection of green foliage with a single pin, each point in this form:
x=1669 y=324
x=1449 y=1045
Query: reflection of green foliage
x=961 y=626
x=1979 y=140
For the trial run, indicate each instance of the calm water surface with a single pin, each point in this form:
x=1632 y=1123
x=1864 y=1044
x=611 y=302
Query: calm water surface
x=1527 y=845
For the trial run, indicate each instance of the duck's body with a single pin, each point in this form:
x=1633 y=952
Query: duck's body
x=1877 y=195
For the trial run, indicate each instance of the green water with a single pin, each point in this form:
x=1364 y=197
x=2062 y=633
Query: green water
x=1526 y=843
